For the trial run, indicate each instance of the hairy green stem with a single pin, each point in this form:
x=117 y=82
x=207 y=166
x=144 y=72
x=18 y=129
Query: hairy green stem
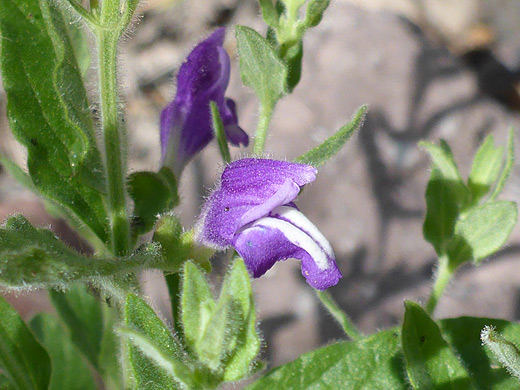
x=114 y=137
x=266 y=112
x=339 y=315
x=443 y=275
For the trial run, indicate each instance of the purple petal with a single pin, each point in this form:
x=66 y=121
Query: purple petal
x=269 y=239
x=206 y=68
x=186 y=126
x=291 y=214
x=234 y=133
x=250 y=188
x=170 y=117
x=262 y=247
x=286 y=193
x=317 y=278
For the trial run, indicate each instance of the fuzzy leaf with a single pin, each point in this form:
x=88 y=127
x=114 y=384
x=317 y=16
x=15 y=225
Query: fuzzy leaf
x=178 y=374
x=269 y=13
x=5 y=383
x=463 y=335
x=109 y=361
x=153 y=194
x=430 y=362
x=506 y=171
x=197 y=304
x=22 y=359
x=79 y=41
x=332 y=145
x=216 y=340
x=504 y=350
x=445 y=196
x=482 y=231
x=293 y=60
x=18 y=173
x=31 y=258
x=244 y=343
x=485 y=169
x=371 y=363
x=146 y=331
x=260 y=67
x=64 y=355
x=315 y=11
x=48 y=110
x=82 y=313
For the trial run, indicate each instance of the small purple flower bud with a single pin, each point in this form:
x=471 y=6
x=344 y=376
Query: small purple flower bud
x=186 y=124
x=252 y=209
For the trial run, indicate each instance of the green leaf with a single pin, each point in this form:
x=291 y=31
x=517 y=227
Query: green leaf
x=82 y=313
x=442 y=159
x=260 y=67
x=152 y=195
x=485 y=169
x=280 y=8
x=22 y=358
x=332 y=145
x=463 y=335
x=293 y=60
x=372 y=363
x=18 y=173
x=178 y=373
x=5 y=383
x=430 y=362
x=482 y=231
x=244 y=343
x=33 y=258
x=510 y=158
x=174 y=283
x=269 y=13
x=64 y=355
x=270 y=37
x=314 y=12
x=110 y=366
x=292 y=4
x=216 y=342
x=79 y=41
x=52 y=207
x=504 y=350
x=376 y=362
x=48 y=109
x=142 y=320
x=446 y=194
x=197 y=304
x=222 y=335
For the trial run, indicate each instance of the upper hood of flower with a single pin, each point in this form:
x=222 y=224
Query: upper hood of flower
x=205 y=70
x=250 y=189
x=186 y=125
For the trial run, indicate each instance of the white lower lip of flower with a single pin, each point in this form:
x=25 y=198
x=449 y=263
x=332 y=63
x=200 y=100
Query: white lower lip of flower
x=297 y=237
x=298 y=219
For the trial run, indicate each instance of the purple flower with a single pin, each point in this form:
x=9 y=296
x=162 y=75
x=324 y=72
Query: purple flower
x=186 y=125
x=252 y=209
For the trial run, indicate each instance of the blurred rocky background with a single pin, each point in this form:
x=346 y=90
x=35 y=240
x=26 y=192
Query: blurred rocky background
x=427 y=69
